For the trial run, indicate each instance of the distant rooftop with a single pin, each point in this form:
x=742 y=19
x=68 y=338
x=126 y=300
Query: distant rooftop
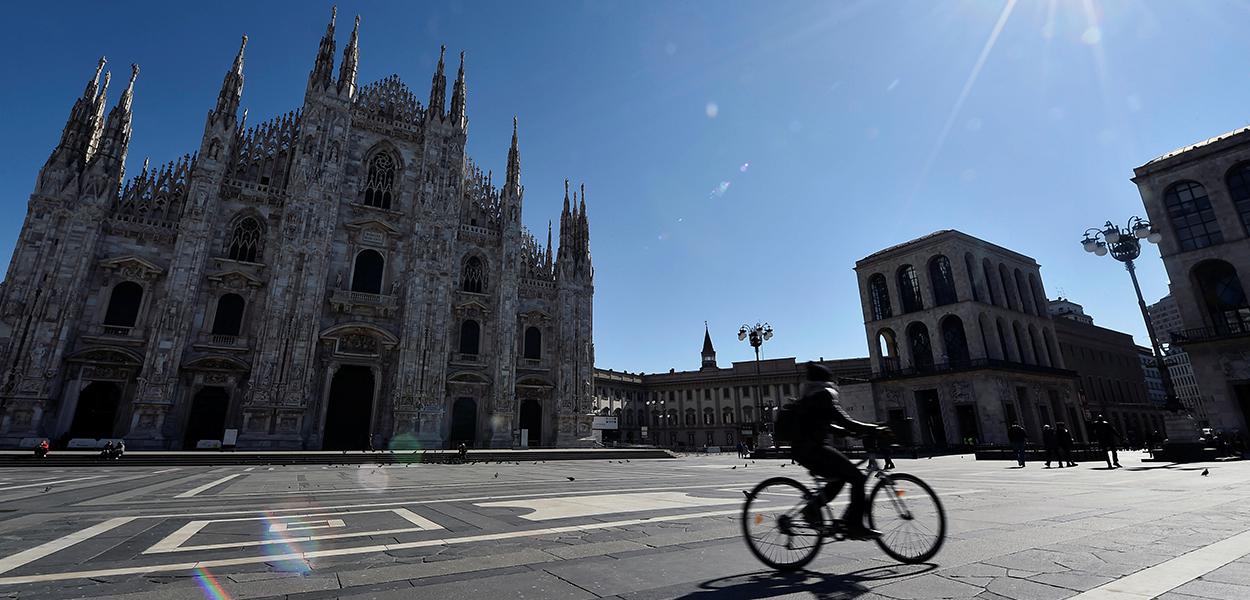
x=1195 y=146
x=940 y=233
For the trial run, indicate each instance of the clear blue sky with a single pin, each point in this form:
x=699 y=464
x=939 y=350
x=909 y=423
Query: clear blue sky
x=739 y=157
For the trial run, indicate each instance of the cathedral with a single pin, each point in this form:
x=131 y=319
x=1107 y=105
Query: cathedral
x=339 y=277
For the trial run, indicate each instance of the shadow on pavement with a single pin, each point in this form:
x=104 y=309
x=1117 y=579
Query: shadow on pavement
x=827 y=586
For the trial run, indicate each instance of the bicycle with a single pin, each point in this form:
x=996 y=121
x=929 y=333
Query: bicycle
x=780 y=536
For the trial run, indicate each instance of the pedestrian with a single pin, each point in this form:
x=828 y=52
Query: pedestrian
x=1050 y=443
x=107 y=452
x=464 y=451
x=1108 y=441
x=119 y=449
x=41 y=451
x=1017 y=436
x=739 y=448
x=1064 y=439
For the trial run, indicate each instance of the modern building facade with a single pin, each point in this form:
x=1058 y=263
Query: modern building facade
x=1166 y=318
x=1186 y=385
x=1067 y=309
x=338 y=276
x=716 y=406
x=1198 y=198
x=961 y=342
x=1111 y=378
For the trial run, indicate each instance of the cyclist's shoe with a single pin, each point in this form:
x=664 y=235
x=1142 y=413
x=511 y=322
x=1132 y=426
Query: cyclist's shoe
x=862 y=533
x=811 y=514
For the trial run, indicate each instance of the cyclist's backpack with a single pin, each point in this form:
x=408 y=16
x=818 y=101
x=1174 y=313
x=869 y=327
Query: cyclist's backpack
x=786 y=427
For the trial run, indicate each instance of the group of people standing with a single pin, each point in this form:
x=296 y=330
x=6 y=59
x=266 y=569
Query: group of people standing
x=1058 y=442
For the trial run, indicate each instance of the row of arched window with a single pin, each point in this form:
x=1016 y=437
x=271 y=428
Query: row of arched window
x=471 y=340
x=1013 y=342
x=1193 y=218
x=692 y=418
x=1222 y=296
x=127 y=298
x=370 y=268
x=999 y=286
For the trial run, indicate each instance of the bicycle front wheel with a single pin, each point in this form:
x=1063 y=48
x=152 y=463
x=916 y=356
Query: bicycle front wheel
x=909 y=516
x=774 y=526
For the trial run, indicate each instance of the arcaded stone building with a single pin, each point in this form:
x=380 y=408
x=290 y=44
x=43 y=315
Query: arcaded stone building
x=961 y=342
x=714 y=405
x=1198 y=197
x=336 y=276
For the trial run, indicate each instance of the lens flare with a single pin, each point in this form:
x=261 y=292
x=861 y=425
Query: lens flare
x=209 y=584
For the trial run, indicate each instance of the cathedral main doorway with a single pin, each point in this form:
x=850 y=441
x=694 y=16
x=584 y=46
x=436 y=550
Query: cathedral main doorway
x=532 y=419
x=96 y=412
x=349 y=413
x=463 y=423
x=207 y=420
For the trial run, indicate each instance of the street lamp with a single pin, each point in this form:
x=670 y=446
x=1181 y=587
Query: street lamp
x=757 y=335
x=1124 y=245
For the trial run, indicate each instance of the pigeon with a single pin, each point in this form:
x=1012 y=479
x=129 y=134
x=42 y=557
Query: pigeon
x=744 y=465
x=570 y=479
x=627 y=460
x=46 y=489
x=783 y=465
x=1206 y=472
x=496 y=475
x=733 y=467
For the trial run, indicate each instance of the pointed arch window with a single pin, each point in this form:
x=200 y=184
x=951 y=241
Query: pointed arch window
x=228 y=320
x=909 y=289
x=474 y=279
x=470 y=337
x=380 y=181
x=1189 y=210
x=943 y=281
x=124 y=303
x=367 y=276
x=245 y=240
x=879 y=293
x=533 y=343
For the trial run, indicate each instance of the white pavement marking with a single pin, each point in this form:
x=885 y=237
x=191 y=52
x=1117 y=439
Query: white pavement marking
x=374 y=549
x=46 y=483
x=252 y=468
x=21 y=558
x=302 y=525
x=428 y=486
x=585 y=506
x=1168 y=575
x=194 y=491
x=174 y=541
x=165 y=471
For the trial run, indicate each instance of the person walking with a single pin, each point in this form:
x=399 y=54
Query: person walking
x=1050 y=442
x=1108 y=440
x=1017 y=436
x=1064 y=439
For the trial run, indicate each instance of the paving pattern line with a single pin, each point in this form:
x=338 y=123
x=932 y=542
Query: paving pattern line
x=47 y=483
x=374 y=549
x=195 y=491
x=1168 y=575
x=27 y=556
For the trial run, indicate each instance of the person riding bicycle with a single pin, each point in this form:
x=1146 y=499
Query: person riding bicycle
x=820 y=415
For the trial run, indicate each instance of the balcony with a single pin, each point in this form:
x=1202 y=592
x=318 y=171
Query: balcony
x=218 y=339
x=363 y=303
x=465 y=357
x=962 y=366
x=115 y=330
x=1234 y=328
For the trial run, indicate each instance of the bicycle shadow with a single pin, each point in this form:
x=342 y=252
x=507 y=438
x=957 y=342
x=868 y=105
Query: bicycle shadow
x=824 y=586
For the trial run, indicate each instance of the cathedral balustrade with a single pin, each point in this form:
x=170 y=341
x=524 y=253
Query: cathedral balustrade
x=363 y=302
x=474 y=229
x=115 y=330
x=465 y=357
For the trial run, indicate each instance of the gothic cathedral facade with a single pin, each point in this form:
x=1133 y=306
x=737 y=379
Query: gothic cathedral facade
x=339 y=277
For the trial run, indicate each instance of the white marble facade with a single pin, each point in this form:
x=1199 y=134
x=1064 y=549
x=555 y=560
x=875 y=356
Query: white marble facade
x=338 y=276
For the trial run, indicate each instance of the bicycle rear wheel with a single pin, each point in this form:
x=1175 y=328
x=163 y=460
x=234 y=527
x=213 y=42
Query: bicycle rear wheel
x=775 y=529
x=909 y=516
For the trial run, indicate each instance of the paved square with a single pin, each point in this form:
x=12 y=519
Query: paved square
x=588 y=529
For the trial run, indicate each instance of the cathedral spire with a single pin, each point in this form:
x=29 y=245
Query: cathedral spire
x=231 y=88
x=94 y=83
x=117 y=129
x=513 y=181
x=457 y=97
x=548 y=243
x=438 y=88
x=323 y=69
x=351 y=60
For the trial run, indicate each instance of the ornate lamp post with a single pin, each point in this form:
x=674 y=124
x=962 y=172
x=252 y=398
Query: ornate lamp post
x=757 y=335
x=1124 y=245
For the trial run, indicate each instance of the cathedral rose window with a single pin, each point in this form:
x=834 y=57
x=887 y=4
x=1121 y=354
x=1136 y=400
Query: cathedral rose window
x=381 y=181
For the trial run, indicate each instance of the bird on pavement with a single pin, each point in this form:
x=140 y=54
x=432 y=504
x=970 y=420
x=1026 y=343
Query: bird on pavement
x=496 y=475
x=1206 y=472
x=571 y=479
x=733 y=467
x=47 y=488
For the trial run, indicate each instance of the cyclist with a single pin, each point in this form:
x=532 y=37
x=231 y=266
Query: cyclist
x=819 y=415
